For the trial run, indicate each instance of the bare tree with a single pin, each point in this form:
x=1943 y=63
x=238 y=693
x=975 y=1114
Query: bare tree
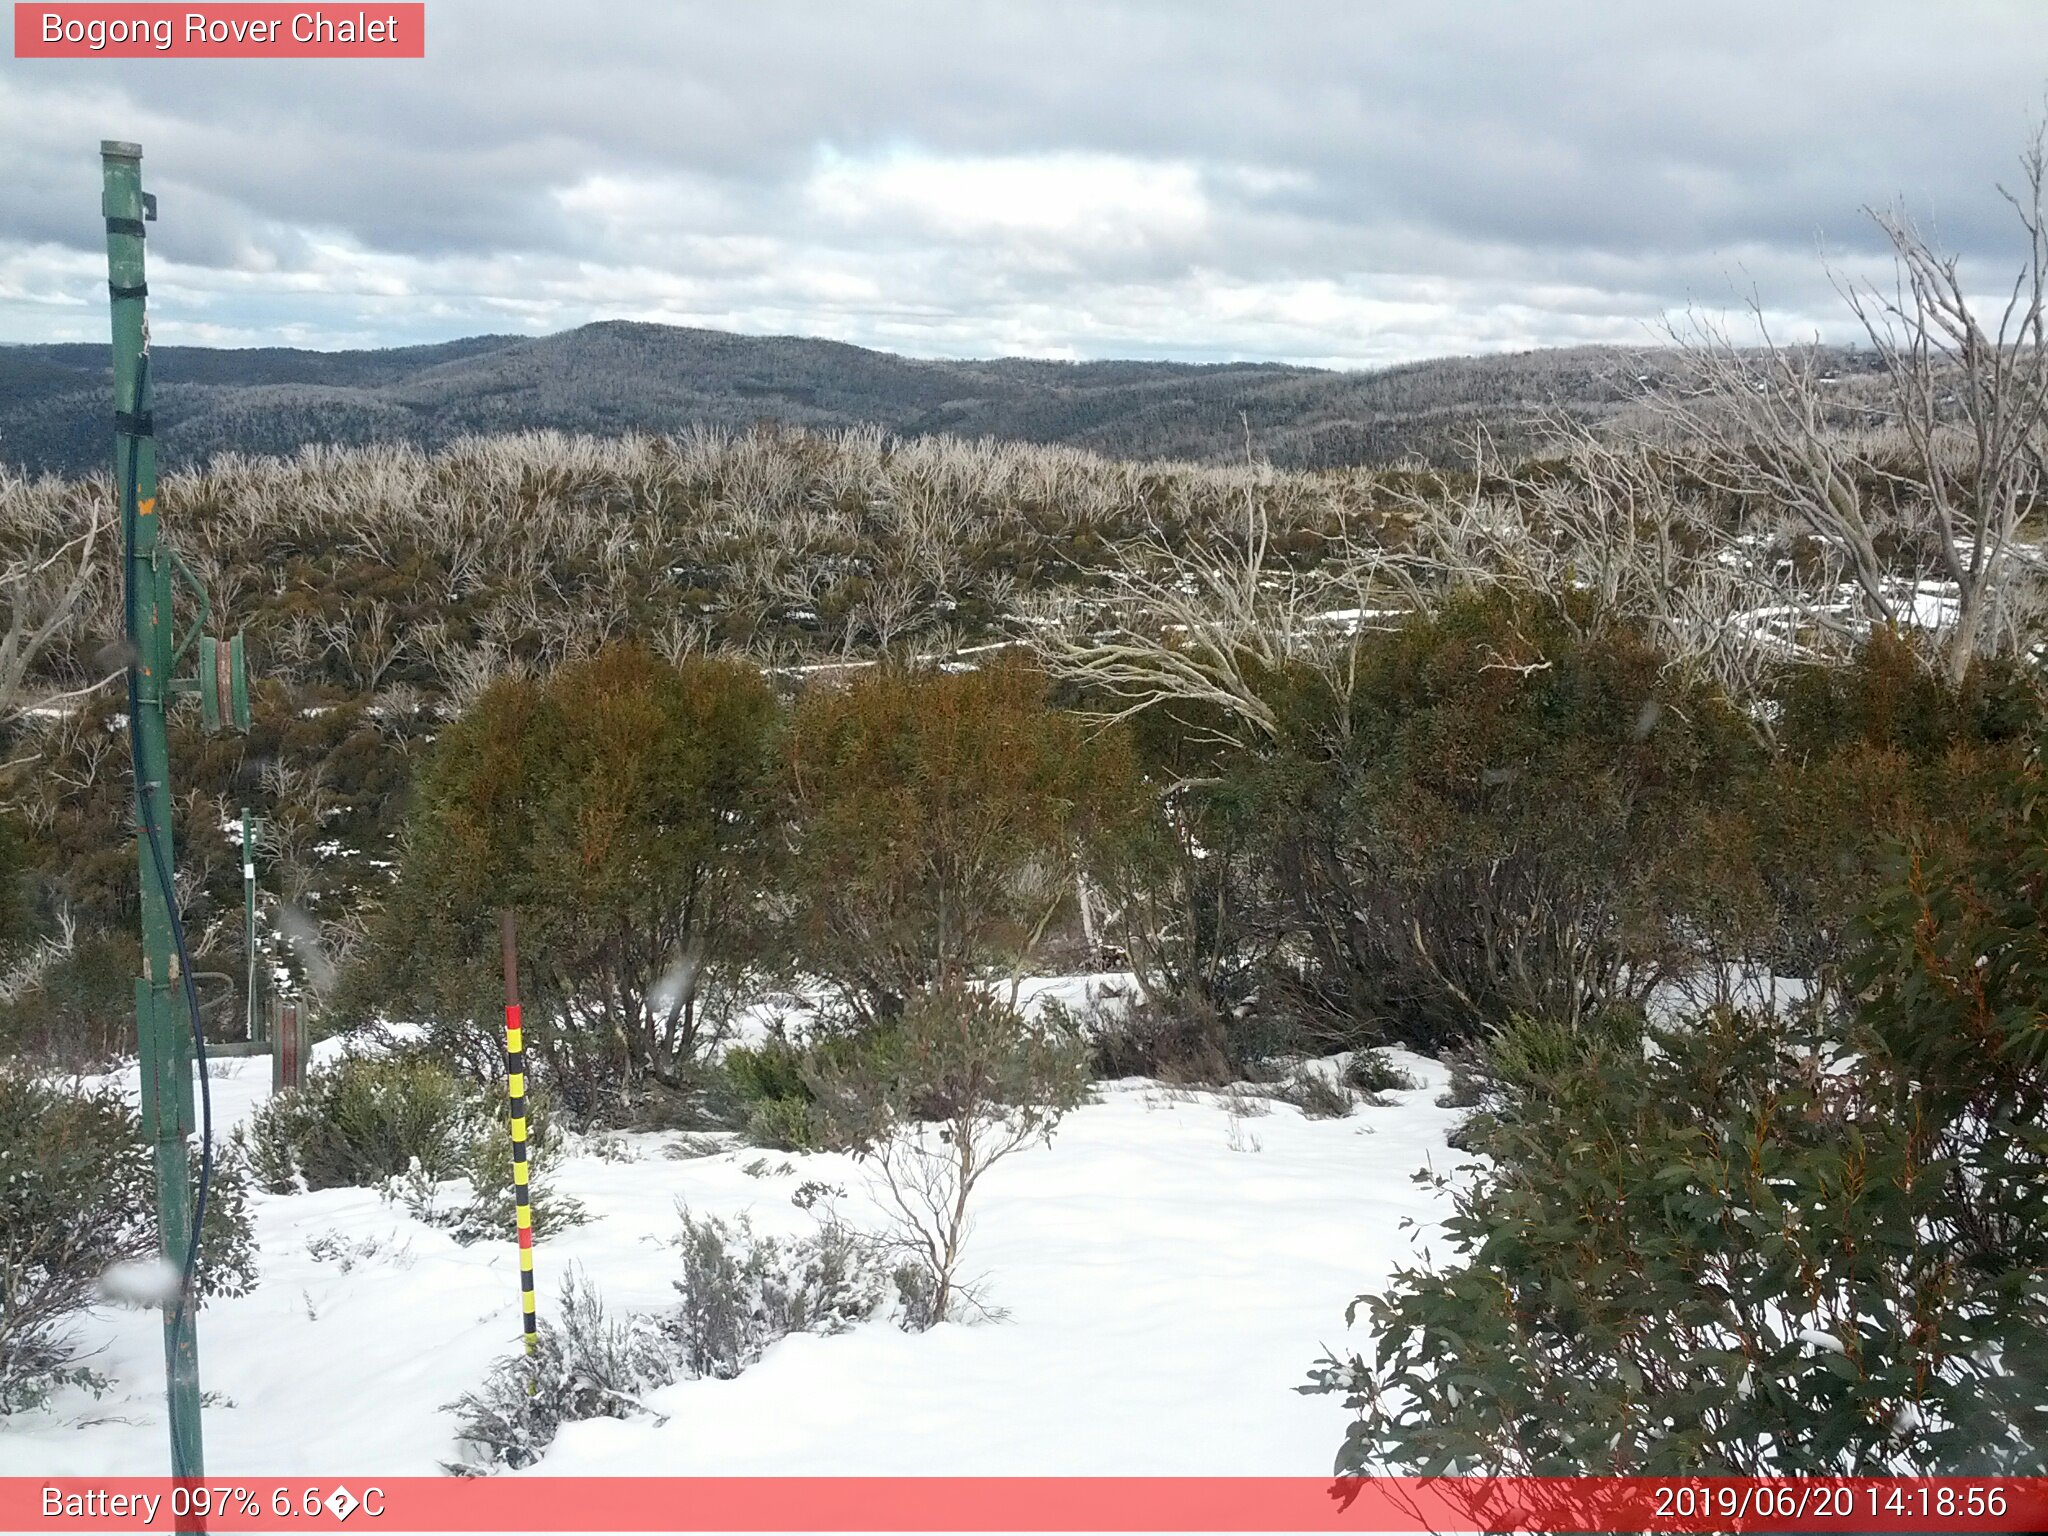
x=42 y=585
x=968 y=1083
x=1209 y=626
x=1621 y=524
x=27 y=971
x=1968 y=400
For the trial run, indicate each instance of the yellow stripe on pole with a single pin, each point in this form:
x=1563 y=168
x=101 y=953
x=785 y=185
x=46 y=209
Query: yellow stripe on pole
x=515 y=1093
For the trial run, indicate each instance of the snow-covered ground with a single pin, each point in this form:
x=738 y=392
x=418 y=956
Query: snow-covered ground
x=1170 y=1267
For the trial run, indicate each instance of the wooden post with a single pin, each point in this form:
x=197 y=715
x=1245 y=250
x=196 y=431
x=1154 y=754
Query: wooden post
x=287 y=1044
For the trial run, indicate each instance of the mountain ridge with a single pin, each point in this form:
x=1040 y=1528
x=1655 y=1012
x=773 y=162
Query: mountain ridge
x=619 y=376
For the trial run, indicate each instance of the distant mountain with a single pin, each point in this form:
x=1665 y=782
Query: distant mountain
x=618 y=376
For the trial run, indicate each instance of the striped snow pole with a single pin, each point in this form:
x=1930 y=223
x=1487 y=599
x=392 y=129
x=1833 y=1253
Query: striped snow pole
x=515 y=1092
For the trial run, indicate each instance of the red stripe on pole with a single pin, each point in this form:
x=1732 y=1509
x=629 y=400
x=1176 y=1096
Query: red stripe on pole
x=389 y=29
x=526 y=1237
x=1253 y=1504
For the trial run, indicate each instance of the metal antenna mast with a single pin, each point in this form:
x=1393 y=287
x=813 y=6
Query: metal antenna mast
x=166 y=1011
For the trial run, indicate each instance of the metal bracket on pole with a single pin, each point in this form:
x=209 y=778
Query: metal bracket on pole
x=223 y=685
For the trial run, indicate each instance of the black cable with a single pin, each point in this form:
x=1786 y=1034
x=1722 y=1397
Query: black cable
x=190 y=1270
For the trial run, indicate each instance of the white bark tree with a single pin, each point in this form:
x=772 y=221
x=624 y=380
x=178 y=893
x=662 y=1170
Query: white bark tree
x=45 y=579
x=1966 y=399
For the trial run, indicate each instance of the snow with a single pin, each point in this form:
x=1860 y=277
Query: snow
x=1168 y=1270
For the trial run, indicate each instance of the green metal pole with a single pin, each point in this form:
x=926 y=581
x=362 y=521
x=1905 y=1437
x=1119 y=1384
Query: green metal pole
x=249 y=923
x=163 y=1026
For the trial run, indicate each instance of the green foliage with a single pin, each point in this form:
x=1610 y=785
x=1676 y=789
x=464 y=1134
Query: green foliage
x=406 y=1124
x=1888 y=698
x=939 y=821
x=1757 y=1246
x=623 y=809
x=79 y=1010
x=1952 y=967
x=773 y=1069
x=227 y=1240
x=77 y=1197
x=1185 y=882
x=1870 y=752
x=16 y=915
x=588 y=1365
x=490 y=1212
x=364 y=1120
x=1492 y=822
x=961 y=1056
x=1179 y=1039
x=1317 y=1095
x=769 y=1088
x=786 y=1124
x=742 y=1290
x=762 y=1090
x=1370 y=1072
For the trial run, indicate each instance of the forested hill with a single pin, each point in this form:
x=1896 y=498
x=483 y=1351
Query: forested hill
x=619 y=377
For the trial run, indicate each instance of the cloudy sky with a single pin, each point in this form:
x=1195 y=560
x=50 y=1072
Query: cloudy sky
x=1347 y=184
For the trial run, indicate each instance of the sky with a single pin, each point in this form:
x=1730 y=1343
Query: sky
x=1343 y=185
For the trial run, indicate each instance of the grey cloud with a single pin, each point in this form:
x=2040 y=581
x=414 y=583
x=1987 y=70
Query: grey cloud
x=1567 y=170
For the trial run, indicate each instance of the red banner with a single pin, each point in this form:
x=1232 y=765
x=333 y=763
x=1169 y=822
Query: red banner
x=530 y=1504
x=259 y=31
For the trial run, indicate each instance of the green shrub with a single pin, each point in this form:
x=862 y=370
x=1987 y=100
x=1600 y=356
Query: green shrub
x=1178 y=1039
x=741 y=1291
x=1492 y=822
x=407 y=1125
x=771 y=1092
x=622 y=807
x=77 y=1201
x=1188 y=895
x=939 y=821
x=1316 y=1095
x=77 y=1198
x=227 y=1240
x=79 y=1012
x=365 y=1120
x=784 y=1125
x=770 y=1070
x=1870 y=753
x=491 y=1211
x=588 y=1365
x=1757 y=1246
x=1371 y=1073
